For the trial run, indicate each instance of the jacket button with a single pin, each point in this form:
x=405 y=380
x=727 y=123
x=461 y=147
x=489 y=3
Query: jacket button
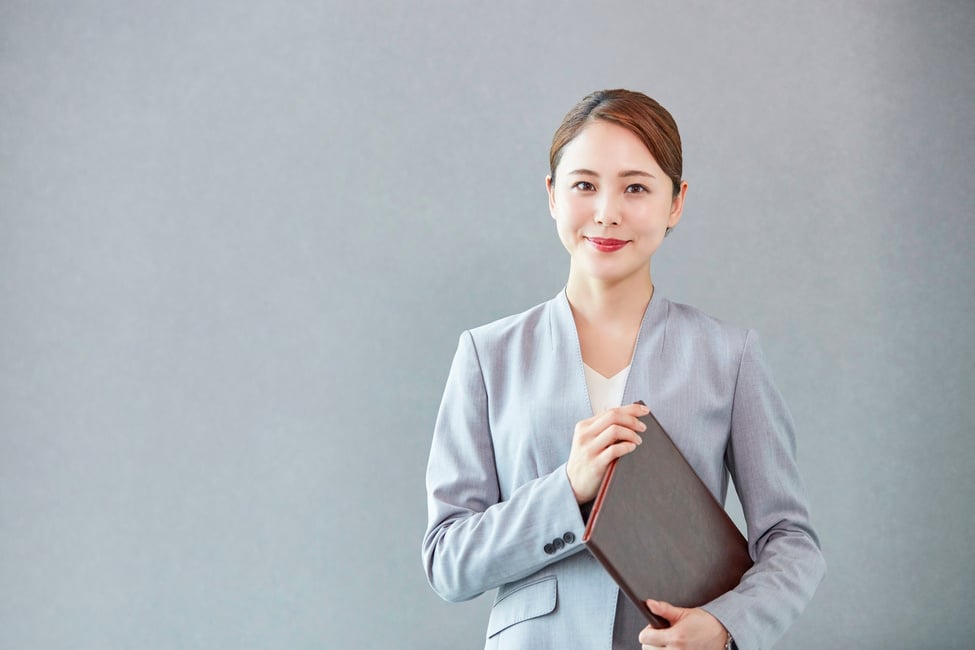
x=558 y=543
x=569 y=538
x=549 y=549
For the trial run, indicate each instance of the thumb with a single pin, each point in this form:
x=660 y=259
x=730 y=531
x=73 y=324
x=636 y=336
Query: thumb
x=664 y=609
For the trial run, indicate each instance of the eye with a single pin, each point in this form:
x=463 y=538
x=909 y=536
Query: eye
x=636 y=188
x=585 y=186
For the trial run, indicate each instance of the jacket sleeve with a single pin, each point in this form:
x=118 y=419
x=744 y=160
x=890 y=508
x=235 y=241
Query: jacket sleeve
x=474 y=541
x=761 y=456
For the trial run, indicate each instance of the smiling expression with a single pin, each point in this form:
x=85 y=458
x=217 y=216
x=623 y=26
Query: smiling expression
x=612 y=203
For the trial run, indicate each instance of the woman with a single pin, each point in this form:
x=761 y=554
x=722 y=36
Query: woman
x=531 y=417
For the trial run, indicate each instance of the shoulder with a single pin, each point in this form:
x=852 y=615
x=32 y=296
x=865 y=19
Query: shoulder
x=697 y=322
x=510 y=329
x=691 y=327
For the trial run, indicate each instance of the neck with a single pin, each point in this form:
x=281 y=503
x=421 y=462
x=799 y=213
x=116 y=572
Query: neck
x=620 y=302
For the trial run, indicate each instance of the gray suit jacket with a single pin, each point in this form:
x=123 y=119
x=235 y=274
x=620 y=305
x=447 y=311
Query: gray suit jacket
x=502 y=514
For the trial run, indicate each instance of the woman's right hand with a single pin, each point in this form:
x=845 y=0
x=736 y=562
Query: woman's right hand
x=599 y=440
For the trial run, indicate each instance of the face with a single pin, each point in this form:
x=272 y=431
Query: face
x=612 y=203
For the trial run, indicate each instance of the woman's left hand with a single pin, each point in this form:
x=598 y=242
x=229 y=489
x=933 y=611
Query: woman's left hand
x=690 y=629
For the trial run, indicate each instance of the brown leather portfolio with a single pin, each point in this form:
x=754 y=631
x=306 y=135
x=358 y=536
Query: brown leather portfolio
x=659 y=532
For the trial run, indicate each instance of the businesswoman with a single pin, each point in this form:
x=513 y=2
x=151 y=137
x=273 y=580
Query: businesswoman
x=538 y=404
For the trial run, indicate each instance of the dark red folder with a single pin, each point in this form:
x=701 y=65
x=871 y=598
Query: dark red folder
x=659 y=532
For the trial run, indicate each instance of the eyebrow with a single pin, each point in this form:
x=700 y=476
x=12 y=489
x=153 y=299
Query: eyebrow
x=623 y=174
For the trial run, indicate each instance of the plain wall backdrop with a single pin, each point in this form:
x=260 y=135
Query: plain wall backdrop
x=238 y=241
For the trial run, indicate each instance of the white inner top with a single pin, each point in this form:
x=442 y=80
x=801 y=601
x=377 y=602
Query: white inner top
x=605 y=392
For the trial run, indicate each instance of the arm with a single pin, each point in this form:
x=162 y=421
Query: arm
x=762 y=459
x=474 y=541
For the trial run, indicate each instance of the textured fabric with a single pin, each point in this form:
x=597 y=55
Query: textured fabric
x=501 y=511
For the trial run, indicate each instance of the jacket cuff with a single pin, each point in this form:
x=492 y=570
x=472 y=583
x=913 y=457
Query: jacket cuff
x=724 y=608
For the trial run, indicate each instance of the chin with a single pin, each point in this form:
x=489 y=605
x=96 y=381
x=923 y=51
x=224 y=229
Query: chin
x=614 y=275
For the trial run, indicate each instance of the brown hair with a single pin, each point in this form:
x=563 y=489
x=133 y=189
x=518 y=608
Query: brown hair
x=646 y=118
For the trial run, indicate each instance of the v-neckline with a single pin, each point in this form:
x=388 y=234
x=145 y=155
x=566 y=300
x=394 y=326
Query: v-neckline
x=614 y=377
x=655 y=311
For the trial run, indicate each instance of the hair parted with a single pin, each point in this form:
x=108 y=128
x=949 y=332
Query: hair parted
x=645 y=117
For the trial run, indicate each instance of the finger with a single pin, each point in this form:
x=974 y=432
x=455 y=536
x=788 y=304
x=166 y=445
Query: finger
x=619 y=414
x=636 y=408
x=590 y=429
x=586 y=430
x=613 y=452
x=598 y=437
x=630 y=410
x=651 y=638
x=655 y=637
x=665 y=610
x=633 y=410
x=618 y=418
x=615 y=434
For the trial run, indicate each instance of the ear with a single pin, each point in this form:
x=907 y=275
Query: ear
x=550 y=188
x=677 y=207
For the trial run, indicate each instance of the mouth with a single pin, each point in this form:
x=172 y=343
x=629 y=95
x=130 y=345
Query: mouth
x=606 y=245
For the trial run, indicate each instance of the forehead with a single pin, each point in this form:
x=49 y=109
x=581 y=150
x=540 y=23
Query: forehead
x=606 y=145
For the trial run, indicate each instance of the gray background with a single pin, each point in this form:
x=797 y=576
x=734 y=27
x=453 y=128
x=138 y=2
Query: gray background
x=238 y=241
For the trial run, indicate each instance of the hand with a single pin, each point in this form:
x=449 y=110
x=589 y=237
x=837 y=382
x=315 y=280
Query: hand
x=599 y=440
x=690 y=629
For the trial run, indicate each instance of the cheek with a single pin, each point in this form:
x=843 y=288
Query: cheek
x=566 y=230
x=653 y=215
x=576 y=211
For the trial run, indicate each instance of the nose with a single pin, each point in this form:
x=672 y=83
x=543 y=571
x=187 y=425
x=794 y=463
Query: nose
x=607 y=212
